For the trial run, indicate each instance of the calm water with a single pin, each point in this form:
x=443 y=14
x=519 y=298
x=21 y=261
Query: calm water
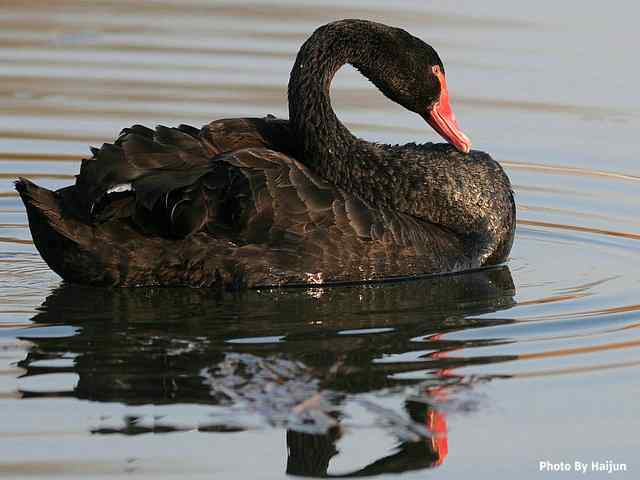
x=482 y=375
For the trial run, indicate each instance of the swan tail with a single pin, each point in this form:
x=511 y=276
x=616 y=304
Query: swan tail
x=62 y=239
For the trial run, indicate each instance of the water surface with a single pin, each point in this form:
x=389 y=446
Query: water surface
x=472 y=374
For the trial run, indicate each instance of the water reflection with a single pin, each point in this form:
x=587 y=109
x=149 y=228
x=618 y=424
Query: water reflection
x=300 y=359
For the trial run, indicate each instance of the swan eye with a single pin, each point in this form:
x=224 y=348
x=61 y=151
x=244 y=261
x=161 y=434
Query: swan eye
x=436 y=70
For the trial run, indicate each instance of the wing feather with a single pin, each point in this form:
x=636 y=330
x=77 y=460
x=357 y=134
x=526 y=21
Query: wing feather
x=228 y=180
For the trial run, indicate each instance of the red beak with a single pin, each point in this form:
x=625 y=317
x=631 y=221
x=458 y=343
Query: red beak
x=443 y=120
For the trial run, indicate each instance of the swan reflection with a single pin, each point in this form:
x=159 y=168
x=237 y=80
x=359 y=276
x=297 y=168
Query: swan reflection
x=276 y=358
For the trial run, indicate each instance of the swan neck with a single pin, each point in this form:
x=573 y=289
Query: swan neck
x=324 y=143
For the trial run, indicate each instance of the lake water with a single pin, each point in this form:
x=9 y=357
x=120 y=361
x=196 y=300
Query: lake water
x=485 y=374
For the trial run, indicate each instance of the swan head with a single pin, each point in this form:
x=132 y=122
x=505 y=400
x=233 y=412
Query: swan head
x=440 y=116
x=411 y=73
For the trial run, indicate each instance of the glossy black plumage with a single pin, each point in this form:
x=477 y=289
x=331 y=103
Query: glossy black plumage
x=250 y=202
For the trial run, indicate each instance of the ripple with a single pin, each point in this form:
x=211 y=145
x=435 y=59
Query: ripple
x=576 y=228
x=566 y=170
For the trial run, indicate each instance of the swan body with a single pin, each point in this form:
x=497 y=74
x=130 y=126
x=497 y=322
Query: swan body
x=262 y=201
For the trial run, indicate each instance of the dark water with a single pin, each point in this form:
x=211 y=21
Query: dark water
x=483 y=374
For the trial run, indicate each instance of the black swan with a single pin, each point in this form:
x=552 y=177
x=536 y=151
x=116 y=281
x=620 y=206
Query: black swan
x=260 y=201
